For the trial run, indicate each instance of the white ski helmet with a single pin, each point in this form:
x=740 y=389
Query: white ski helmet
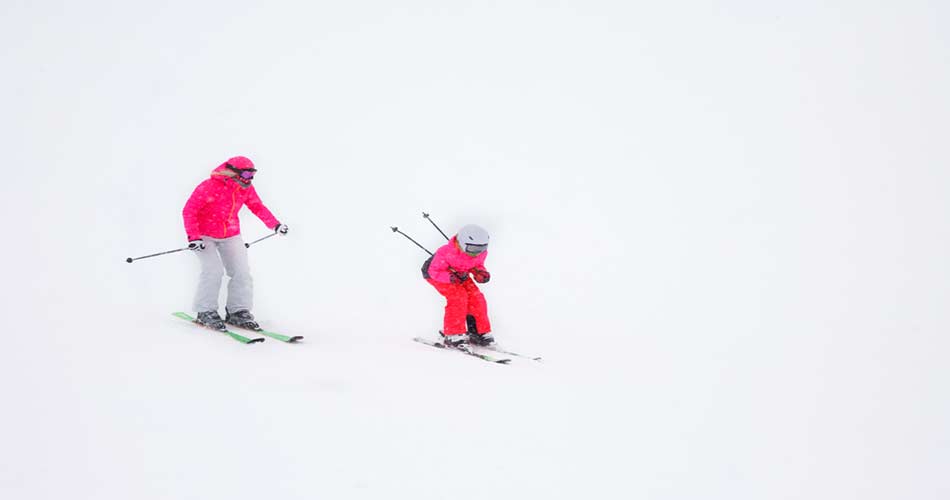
x=473 y=239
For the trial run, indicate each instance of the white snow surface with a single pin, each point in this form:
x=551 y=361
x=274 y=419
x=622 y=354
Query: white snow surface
x=723 y=225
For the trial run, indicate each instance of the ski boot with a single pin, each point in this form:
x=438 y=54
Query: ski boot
x=481 y=339
x=459 y=341
x=241 y=319
x=476 y=338
x=211 y=320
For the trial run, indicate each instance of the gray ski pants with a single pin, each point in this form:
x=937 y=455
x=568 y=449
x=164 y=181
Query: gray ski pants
x=220 y=256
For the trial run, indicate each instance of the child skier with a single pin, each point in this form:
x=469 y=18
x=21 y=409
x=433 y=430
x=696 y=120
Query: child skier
x=211 y=222
x=448 y=270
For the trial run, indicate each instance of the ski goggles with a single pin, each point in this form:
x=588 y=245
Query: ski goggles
x=475 y=249
x=246 y=174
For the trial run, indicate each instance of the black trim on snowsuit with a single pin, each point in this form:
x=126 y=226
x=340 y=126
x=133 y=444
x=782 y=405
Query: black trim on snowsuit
x=425 y=268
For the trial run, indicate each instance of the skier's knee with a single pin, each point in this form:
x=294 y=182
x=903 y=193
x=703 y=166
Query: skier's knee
x=212 y=274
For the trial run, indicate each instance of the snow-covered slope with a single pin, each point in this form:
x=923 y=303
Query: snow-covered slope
x=723 y=227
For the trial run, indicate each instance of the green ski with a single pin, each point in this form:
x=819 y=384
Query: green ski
x=273 y=335
x=235 y=336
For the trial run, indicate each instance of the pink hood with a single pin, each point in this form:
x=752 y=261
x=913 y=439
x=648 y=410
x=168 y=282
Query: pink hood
x=212 y=209
x=451 y=256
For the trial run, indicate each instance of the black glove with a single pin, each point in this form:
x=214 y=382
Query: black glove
x=196 y=245
x=481 y=275
x=456 y=277
x=281 y=229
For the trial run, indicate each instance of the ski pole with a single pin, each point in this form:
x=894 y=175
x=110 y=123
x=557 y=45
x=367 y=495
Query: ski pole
x=131 y=260
x=396 y=230
x=426 y=217
x=248 y=245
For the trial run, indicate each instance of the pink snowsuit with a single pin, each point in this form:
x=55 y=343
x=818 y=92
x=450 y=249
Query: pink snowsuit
x=462 y=299
x=212 y=210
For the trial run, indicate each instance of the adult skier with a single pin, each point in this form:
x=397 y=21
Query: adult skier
x=214 y=233
x=453 y=271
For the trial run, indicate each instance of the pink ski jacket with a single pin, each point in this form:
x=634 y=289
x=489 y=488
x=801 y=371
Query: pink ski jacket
x=451 y=256
x=212 y=210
